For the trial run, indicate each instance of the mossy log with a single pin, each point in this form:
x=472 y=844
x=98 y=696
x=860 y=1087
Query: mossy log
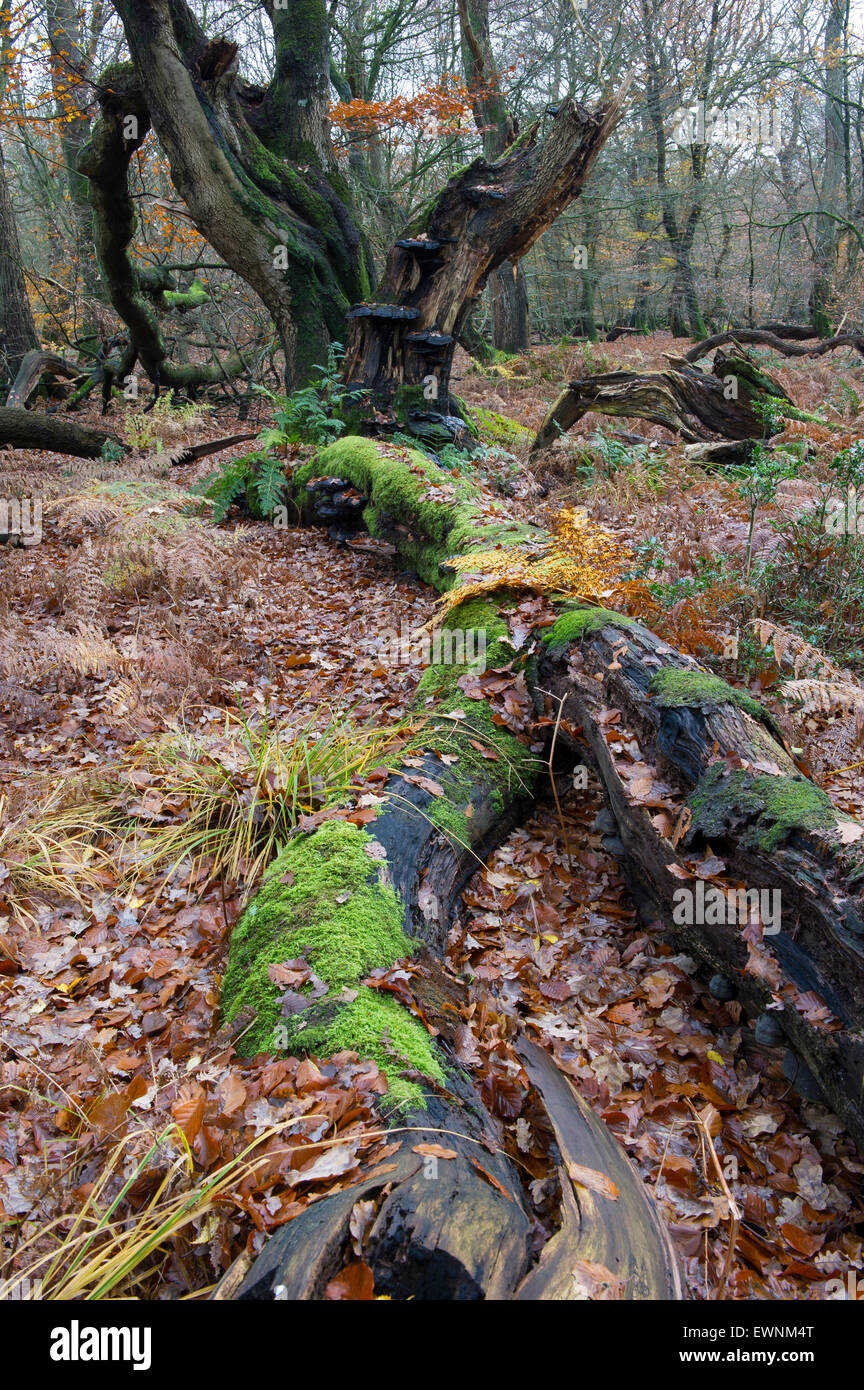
x=747 y=800
x=29 y=429
x=744 y=797
x=696 y=405
x=348 y=900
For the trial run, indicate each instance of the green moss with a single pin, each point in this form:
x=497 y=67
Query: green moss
x=397 y=488
x=776 y=806
x=323 y=901
x=576 y=623
x=192 y=298
x=515 y=768
x=674 y=688
x=406 y=399
x=376 y=1025
x=499 y=429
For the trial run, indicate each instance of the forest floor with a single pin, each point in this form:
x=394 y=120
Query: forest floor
x=136 y=625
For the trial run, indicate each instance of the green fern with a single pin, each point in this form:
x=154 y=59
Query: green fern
x=258 y=479
x=224 y=487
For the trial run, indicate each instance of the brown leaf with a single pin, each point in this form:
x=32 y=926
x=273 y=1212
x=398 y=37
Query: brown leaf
x=356 y=1283
x=594 y=1180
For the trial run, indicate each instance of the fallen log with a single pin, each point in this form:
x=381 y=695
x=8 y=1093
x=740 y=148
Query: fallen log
x=749 y=822
x=35 y=365
x=28 y=429
x=746 y=802
x=467 y=1234
x=780 y=344
x=697 y=405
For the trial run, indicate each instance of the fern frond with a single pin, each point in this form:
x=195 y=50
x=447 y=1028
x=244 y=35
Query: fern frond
x=824 y=697
x=791 y=648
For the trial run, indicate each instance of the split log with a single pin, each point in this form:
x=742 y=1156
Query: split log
x=696 y=405
x=33 y=367
x=466 y=1234
x=463 y=1231
x=772 y=827
x=27 y=429
x=745 y=798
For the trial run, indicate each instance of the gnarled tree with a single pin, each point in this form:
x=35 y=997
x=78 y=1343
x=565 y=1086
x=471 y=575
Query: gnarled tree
x=256 y=170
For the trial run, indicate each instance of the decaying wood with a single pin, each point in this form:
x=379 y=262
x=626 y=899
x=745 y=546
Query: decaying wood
x=33 y=367
x=696 y=405
x=465 y=1232
x=467 y=1237
x=820 y=947
x=29 y=429
x=489 y=213
x=622 y=1233
x=803 y=348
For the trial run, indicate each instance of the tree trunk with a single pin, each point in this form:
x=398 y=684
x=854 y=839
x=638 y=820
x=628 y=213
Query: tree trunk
x=17 y=329
x=508 y=296
x=488 y=213
x=27 y=429
x=508 y=291
x=825 y=248
x=254 y=169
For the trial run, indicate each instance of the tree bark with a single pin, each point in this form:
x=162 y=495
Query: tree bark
x=283 y=224
x=17 y=330
x=27 y=429
x=692 y=403
x=488 y=213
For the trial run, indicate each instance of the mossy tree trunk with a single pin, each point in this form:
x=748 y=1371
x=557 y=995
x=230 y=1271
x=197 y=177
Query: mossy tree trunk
x=254 y=166
x=118 y=134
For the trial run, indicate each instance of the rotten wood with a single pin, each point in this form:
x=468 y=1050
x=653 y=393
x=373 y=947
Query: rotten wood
x=28 y=429
x=33 y=367
x=699 y=406
x=819 y=949
x=490 y=213
x=805 y=347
